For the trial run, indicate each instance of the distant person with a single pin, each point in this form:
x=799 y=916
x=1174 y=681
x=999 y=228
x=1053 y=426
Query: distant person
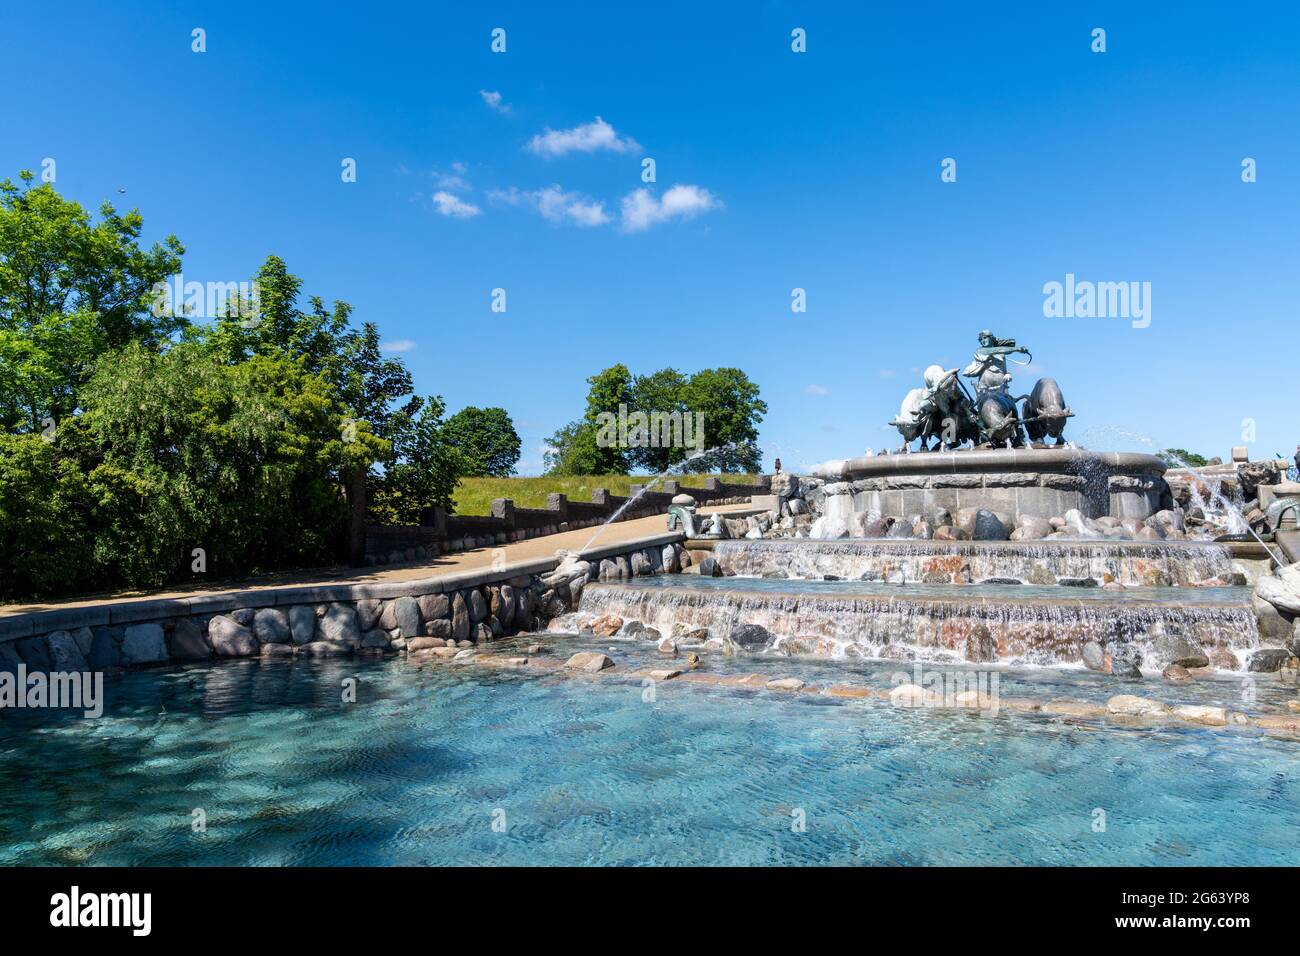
x=1295 y=476
x=778 y=461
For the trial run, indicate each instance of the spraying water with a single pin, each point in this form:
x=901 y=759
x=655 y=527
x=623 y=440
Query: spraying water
x=678 y=468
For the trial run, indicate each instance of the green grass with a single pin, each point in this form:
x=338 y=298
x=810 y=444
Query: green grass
x=474 y=495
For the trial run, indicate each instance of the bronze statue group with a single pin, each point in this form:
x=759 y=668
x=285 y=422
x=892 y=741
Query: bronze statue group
x=945 y=408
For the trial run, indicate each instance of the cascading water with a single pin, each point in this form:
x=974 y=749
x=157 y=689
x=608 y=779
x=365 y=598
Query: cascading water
x=1127 y=563
x=1010 y=624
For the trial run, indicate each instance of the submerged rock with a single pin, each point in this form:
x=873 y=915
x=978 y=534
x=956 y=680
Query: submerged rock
x=590 y=661
x=751 y=635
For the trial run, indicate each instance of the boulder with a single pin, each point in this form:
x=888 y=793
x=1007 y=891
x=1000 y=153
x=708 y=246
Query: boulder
x=368 y=615
x=1031 y=528
x=185 y=641
x=668 y=647
x=243 y=616
x=105 y=650
x=9 y=659
x=980 y=647
x=1127 y=705
x=376 y=637
x=144 y=644
x=503 y=604
x=710 y=568
x=751 y=635
x=302 y=623
x=607 y=625
x=434 y=606
x=1166 y=520
x=1206 y=716
x=1177 y=674
x=1275 y=626
x=84 y=637
x=988 y=527
x=591 y=661
x=406 y=617
x=1178 y=650
x=641 y=565
x=460 y=622
x=1266 y=660
x=908 y=695
x=478 y=607
x=271 y=626
x=229 y=638
x=1094 y=656
x=949 y=532
x=1281 y=589
x=339 y=626
x=785 y=485
x=278 y=650
x=66 y=655
x=440 y=629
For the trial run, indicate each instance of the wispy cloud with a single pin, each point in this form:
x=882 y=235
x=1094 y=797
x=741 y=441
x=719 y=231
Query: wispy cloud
x=450 y=205
x=590 y=137
x=493 y=99
x=817 y=390
x=641 y=209
x=454 y=180
x=398 y=345
x=555 y=204
x=887 y=373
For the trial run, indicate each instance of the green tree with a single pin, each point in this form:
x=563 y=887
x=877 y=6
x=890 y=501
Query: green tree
x=732 y=411
x=487 y=440
x=1182 y=458
x=573 y=451
x=70 y=289
x=607 y=390
x=192 y=453
x=423 y=469
x=659 y=394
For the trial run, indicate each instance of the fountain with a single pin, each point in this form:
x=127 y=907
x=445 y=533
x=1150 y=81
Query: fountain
x=988 y=546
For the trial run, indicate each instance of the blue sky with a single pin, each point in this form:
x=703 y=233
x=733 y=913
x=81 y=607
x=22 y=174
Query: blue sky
x=818 y=170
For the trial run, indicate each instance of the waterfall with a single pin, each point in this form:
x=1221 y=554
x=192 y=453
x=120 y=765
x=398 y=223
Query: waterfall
x=842 y=622
x=1127 y=563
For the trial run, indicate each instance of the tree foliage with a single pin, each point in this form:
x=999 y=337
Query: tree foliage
x=487 y=440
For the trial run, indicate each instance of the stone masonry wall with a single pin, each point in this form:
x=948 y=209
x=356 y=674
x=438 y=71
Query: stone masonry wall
x=442 y=616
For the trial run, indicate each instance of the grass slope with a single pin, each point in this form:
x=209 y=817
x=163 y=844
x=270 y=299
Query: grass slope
x=474 y=495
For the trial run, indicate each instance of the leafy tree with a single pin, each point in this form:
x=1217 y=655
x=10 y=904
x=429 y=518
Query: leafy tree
x=573 y=451
x=1181 y=458
x=487 y=440
x=732 y=410
x=608 y=389
x=70 y=289
x=424 y=468
x=194 y=453
x=660 y=393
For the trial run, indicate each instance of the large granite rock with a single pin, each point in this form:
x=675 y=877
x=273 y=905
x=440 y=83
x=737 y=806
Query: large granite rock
x=339 y=626
x=434 y=606
x=229 y=638
x=65 y=653
x=302 y=623
x=406 y=617
x=1173 y=649
x=185 y=641
x=271 y=626
x=144 y=644
x=751 y=635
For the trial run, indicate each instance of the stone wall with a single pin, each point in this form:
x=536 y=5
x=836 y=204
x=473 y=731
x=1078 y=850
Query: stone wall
x=442 y=616
x=441 y=533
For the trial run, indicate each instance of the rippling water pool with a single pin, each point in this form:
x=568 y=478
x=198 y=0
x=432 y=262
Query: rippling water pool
x=585 y=771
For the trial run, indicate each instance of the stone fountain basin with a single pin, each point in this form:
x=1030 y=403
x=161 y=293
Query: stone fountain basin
x=1036 y=481
x=1129 y=563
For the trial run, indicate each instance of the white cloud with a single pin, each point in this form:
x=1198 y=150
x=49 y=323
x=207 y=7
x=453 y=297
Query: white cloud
x=493 y=99
x=398 y=345
x=555 y=204
x=449 y=205
x=454 y=180
x=887 y=373
x=817 y=390
x=641 y=209
x=587 y=138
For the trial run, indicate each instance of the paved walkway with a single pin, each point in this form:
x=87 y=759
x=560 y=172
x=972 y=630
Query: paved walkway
x=531 y=549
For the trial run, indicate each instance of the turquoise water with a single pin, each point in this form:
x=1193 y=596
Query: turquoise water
x=586 y=771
